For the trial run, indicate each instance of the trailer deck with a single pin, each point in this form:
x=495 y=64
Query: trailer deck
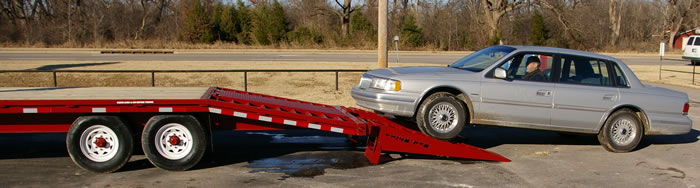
x=92 y=93
x=174 y=120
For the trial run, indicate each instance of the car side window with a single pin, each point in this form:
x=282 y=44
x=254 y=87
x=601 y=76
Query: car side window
x=517 y=67
x=690 y=41
x=619 y=77
x=586 y=71
x=697 y=42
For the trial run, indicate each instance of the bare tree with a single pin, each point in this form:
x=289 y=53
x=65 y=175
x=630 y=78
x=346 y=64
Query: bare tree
x=343 y=14
x=560 y=7
x=346 y=10
x=145 y=5
x=675 y=14
x=494 y=10
x=615 y=14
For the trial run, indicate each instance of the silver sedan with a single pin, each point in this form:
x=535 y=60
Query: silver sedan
x=528 y=87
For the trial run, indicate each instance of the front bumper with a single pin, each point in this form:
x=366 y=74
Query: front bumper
x=396 y=103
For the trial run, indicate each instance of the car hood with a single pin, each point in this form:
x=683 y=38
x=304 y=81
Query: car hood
x=418 y=72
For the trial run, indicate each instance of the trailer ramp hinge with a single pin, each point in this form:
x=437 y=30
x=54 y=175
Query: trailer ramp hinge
x=387 y=136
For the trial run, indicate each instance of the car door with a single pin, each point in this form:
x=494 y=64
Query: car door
x=584 y=93
x=516 y=101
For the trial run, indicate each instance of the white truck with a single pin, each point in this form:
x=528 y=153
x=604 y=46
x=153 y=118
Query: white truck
x=692 y=50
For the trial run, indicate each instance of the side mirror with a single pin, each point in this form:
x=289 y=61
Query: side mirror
x=499 y=73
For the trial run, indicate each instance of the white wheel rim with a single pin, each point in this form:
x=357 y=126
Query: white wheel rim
x=173 y=150
x=99 y=143
x=623 y=132
x=443 y=117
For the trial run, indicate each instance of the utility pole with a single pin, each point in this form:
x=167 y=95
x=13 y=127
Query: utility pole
x=382 y=50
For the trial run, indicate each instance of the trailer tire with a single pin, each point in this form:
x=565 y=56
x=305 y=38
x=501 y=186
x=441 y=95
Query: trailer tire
x=99 y=143
x=173 y=142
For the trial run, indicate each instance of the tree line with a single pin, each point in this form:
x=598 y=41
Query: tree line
x=420 y=24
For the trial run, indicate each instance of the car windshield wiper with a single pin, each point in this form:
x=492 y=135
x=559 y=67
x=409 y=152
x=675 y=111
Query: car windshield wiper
x=466 y=69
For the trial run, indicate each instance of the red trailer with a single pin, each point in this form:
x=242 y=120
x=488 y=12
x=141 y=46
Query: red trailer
x=174 y=125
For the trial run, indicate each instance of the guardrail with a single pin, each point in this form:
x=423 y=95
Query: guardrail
x=153 y=72
x=693 y=73
x=137 y=52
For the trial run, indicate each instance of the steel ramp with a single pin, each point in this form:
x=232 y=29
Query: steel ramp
x=386 y=135
x=383 y=135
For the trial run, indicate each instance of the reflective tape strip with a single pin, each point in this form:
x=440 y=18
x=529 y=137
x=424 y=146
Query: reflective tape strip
x=335 y=129
x=99 y=110
x=215 y=110
x=165 y=109
x=240 y=114
x=290 y=122
x=30 y=110
x=265 y=118
x=315 y=126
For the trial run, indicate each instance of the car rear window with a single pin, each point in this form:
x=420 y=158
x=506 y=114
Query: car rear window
x=621 y=81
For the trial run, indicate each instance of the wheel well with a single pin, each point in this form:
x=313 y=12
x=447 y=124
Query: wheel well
x=642 y=116
x=464 y=99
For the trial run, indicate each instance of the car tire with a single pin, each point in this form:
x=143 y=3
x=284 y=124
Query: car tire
x=99 y=143
x=174 y=142
x=622 y=132
x=441 y=116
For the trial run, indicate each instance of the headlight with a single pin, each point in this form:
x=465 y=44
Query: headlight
x=385 y=84
x=364 y=82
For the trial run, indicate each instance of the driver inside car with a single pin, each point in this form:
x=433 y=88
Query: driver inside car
x=533 y=69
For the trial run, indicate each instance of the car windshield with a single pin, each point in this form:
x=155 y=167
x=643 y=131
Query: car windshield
x=482 y=59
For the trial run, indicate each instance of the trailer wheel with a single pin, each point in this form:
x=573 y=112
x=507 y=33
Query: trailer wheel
x=441 y=116
x=173 y=142
x=99 y=143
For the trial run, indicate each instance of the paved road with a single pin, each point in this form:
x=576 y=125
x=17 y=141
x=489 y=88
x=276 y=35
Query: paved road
x=307 y=158
x=247 y=56
x=410 y=57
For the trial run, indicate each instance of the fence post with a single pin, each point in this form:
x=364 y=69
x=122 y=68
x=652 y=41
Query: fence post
x=153 y=79
x=55 y=83
x=245 y=81
x=661 y=58
x=336 y=80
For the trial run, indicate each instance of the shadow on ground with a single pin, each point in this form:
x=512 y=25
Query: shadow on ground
x=307 y=153
x=488 y=137
x=73 y=65
x=298 y=153
x=38 y=89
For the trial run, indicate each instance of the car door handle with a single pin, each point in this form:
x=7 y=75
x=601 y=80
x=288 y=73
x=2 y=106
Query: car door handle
x=609 y=97
x=544 y=93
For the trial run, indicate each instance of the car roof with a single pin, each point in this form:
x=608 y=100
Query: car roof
x=561 y=51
